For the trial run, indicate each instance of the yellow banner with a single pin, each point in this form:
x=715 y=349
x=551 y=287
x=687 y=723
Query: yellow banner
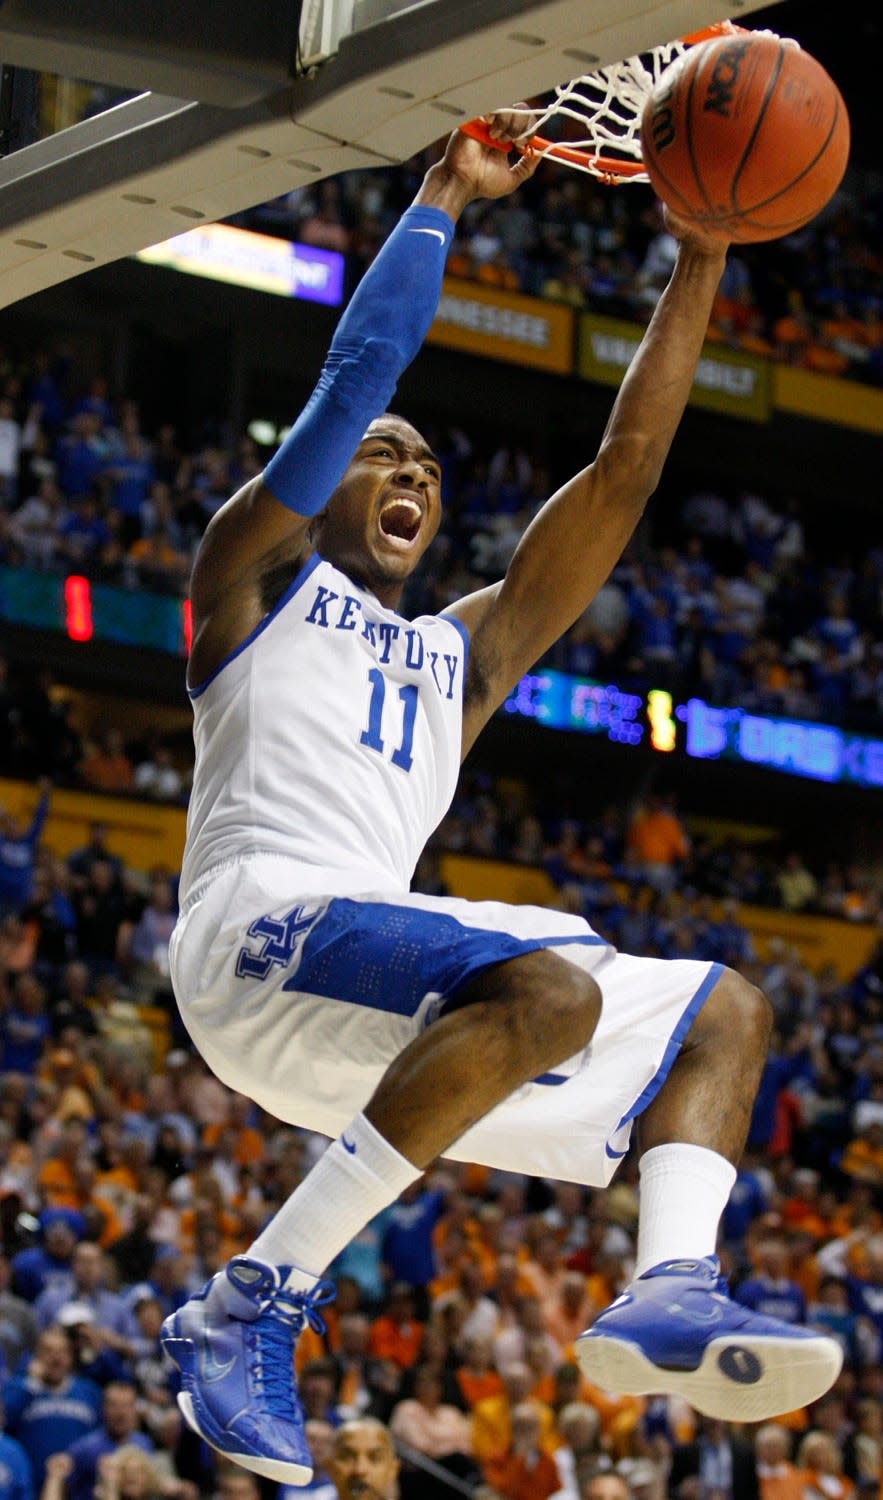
x=726 y=380
x=504 y=325
x=142 y=834
x=828 y=398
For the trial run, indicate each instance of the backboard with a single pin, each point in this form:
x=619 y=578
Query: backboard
x=368 y=83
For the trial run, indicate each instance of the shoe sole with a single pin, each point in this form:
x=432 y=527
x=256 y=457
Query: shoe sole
x=180 y=1350
x=746 y=1379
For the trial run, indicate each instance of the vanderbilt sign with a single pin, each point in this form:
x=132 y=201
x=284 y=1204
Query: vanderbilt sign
x=726 y=380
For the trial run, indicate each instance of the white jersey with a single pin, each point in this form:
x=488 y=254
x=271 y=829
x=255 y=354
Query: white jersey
x=330 y=736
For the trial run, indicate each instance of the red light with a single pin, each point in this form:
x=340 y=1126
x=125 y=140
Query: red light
x=78 y=607
x=187 y=623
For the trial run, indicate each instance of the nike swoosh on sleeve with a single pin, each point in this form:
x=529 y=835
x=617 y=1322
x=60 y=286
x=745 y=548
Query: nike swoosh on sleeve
x=438 y=233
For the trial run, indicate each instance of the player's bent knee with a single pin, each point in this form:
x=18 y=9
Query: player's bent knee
x=571 y=999
x=542 y=1002
x=740 y=1010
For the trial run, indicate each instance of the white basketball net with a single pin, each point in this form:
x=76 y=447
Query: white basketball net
x=607 y=107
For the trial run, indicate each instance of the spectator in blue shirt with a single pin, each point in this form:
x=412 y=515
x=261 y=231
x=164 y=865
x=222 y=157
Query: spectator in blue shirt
x=16 y=1479
x=83 y=534
x=131 y=476
x=407 y=1243
x=836 y=629
x=746 y=1202
x=81 y=454
x=109 y=1310
x=48 y=1408
x=119 y=1427
x=18 y=1326
x=17 y=851
x=784 y=1065
x=24 y=1028
x=771 y=1292
x=49 y=1263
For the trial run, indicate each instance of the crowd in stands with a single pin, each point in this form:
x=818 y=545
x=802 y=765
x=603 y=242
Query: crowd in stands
x=128 y=1175
x=731 y=598
x=638 y=876
x=811 y=300
x=37 y=738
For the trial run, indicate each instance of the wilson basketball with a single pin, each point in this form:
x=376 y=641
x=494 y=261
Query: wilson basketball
x=745 y=135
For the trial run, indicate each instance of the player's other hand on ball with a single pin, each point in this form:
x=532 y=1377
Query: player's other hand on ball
x=694 y=236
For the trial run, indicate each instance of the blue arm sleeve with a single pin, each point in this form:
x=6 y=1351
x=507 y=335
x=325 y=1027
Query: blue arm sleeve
x=376 y=339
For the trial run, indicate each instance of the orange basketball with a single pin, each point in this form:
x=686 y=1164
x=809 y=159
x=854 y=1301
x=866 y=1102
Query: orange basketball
x=745 y=135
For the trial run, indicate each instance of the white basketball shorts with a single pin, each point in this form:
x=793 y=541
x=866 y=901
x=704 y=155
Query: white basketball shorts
x=301 y=1001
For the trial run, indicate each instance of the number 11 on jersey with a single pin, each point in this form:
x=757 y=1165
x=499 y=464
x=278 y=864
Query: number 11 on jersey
x=373 y=735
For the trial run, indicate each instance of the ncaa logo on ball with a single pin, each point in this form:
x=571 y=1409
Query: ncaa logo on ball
x=723 y=80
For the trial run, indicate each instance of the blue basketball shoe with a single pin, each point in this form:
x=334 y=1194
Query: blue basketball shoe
x=676 y=1331
x=234 y=1345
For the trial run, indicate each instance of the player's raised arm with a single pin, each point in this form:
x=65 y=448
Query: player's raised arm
x=264 y=528
x=571 y=546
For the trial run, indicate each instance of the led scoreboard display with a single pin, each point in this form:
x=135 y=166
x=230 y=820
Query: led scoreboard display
x=87 y=611
x=704 y=731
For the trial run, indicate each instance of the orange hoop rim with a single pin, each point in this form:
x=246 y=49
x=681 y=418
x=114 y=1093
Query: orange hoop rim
x=610 y=170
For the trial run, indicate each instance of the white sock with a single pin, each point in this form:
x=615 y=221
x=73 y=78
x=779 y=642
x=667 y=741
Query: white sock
x=684 y=1190
x=360 y=1174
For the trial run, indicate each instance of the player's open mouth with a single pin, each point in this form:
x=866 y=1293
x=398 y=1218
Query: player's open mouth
x=400 y=520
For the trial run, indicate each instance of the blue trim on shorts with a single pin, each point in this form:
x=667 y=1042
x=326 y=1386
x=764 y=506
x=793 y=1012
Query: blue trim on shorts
x=296 y=583
x=389 y=957
x=671 y=1052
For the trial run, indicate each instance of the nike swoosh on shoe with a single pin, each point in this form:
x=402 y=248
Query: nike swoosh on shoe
x=210 y=1368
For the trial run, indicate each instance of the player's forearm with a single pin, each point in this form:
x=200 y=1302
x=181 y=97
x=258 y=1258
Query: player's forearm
x=657 y=384
x=377 y=337
x=444 y=190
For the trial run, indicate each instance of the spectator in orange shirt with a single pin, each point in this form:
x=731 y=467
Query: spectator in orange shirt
x=659 y=842
x=546 y=1270
x=804 y=1208
x=525 y=1472
x=108 y=767
x=396 y=1334
x=492 y=1418
x=571 y=1312
x=778 y=1477
x=56 y=1179
x=160 y=565
x=249 y=1148
x=820 y=1460
x=476 y=1376
x=863 y=1156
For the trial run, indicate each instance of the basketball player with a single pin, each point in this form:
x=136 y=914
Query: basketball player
x=329 y=731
